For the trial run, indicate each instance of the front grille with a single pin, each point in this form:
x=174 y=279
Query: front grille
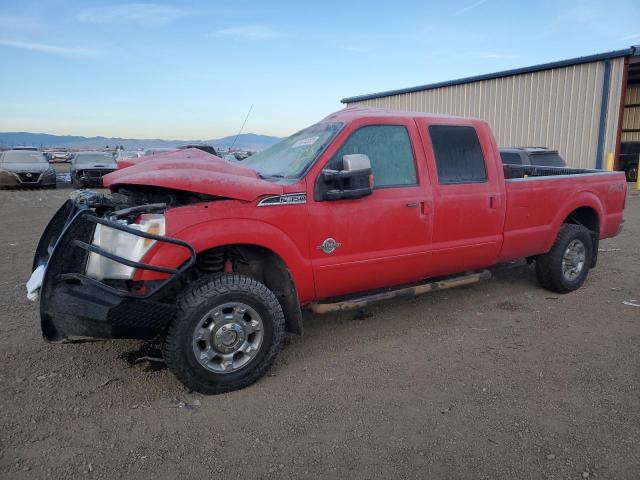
x=29 y=177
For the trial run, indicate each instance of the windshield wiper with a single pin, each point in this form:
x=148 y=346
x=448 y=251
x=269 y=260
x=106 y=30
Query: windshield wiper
x=271 y=176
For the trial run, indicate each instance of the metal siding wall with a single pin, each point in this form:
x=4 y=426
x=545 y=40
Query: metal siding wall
x=615 y=92
x=558 y=108
x=631 y=115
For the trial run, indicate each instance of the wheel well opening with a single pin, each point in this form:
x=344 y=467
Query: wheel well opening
x=262 y=264
x=585 y=216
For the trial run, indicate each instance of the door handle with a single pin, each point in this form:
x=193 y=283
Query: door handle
x=425 y=207
x=494 y=202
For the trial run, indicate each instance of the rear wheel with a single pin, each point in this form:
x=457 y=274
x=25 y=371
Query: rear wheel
x=226 y=335
x=565 y=267
x=632 y=173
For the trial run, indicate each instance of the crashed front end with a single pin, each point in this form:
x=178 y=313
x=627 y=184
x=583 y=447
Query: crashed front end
x=84 y=271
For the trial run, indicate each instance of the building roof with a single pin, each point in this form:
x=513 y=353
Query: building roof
x=631 y=51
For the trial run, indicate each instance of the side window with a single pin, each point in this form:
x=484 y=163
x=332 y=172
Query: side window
x=510 y=158
x=388 y=148
x=458 y=154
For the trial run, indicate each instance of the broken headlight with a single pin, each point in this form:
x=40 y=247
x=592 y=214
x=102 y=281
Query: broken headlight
x=126 y=245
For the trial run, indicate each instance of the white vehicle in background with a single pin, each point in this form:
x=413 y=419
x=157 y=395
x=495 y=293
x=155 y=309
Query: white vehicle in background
x=60 y=157
x=156 y=151
x=127 y=154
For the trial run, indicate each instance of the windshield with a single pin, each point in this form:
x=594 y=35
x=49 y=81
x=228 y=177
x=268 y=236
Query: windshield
x=550 y=159
x=93 y=158
x=290 y=157
x=23 y=156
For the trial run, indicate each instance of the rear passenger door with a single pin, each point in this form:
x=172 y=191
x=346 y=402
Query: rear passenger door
x=468 y=195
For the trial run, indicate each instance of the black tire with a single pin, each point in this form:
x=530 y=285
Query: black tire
x=75 y=183
x=549 y=268
x=196 y=302
x=632 y=173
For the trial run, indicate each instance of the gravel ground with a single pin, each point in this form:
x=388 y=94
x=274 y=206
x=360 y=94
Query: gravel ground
x=498 y=380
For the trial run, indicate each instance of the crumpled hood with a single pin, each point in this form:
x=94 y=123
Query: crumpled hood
x=25 y=167
x=193 y=170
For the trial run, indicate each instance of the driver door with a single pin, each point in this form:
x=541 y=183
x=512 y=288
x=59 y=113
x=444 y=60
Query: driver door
x=381 y=239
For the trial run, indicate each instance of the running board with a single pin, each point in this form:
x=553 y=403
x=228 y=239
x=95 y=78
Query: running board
x=361 y=302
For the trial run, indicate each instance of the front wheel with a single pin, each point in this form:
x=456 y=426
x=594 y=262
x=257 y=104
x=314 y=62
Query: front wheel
x=565 y=267
x=227 y=333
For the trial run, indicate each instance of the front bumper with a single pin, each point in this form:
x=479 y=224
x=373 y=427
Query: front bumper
x=75 y=307
x=26 y=179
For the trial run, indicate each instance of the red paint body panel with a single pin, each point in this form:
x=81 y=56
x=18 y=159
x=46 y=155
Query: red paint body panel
x=193 y=153
x=393 y=236
x=193 y=170
x=537 y=207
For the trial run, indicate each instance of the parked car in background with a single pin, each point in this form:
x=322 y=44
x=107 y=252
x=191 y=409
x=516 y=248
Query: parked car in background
x=540 y=156
x=60 y=157
x=241 y=155
x=28 y=148
x=629 y=159
x=229 y=157
x=128 y=154
x=25 y=168
x=88 y=168
x=157 y=151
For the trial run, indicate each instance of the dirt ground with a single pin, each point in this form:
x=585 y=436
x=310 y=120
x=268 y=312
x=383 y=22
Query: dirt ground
x=498 y=380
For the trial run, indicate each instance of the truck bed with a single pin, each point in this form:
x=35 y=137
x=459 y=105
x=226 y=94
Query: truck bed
x=525 y=171
x=539 y=199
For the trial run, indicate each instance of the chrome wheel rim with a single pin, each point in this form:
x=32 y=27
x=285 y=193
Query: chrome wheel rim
x=573 y=260
x=228 y=337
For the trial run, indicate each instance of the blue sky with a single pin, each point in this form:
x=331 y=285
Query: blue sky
x=191 y=70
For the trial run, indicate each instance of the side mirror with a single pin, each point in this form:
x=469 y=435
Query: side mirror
x=355 y=180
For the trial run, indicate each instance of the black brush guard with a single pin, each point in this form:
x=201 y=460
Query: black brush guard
x=75 y=307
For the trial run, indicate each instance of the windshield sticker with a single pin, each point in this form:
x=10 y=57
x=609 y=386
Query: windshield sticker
x=305 y=142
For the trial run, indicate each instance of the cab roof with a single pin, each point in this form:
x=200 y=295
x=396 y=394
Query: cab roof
x=355 y=112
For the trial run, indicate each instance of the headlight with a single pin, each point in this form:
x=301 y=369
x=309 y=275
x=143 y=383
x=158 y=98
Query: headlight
x=122 y=244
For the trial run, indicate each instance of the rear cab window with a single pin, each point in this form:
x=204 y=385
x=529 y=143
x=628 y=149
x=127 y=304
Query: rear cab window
x=458 y=154
x=389 y=150
x=511 y=158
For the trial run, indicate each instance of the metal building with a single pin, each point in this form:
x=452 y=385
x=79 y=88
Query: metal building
x=583 y=107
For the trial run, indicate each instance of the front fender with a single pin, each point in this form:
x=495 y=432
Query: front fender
x=217 y=233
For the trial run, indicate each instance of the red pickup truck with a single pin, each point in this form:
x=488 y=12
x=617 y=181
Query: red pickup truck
x=217 y=259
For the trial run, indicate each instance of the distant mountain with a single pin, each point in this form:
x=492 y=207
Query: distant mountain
x=249 y=141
